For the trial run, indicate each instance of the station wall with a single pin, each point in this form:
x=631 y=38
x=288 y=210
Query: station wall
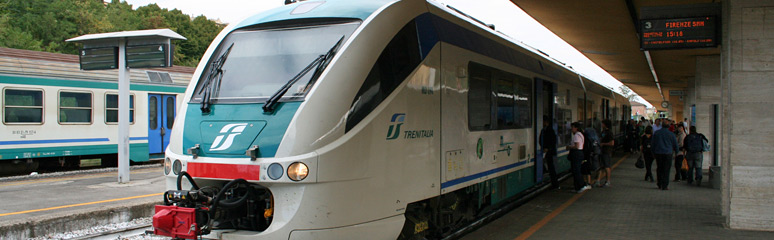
x=747 y=63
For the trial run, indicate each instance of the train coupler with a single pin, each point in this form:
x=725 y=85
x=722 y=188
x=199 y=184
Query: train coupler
x=176 y=222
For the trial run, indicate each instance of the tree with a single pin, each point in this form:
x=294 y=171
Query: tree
x=44 y=25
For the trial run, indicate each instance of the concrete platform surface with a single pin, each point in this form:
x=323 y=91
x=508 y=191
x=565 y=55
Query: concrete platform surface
x=60 y=203
x=630 y=208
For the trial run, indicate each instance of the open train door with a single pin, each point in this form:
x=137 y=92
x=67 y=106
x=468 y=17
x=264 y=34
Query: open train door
x=544 y=106
x=161 y=116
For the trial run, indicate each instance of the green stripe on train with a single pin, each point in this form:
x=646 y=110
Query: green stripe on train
x=138 y=151
x=86 y=84
x=512 y=184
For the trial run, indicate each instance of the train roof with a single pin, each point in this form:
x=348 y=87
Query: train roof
x=57 y=65
x=322 y=9
x=559 y=70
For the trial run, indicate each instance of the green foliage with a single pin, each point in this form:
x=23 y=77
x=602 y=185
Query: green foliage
x=44 y=25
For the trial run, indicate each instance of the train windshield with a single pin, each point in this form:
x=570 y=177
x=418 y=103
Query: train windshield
x=258 y=63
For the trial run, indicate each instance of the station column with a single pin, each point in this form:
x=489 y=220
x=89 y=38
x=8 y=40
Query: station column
x=747 y=132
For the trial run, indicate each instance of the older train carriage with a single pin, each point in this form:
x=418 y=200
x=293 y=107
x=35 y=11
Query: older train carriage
x=55 y=113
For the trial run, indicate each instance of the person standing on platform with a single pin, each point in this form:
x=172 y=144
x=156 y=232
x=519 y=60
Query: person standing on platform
x=548 y=144
x=647 y=152
x=657 y=125
x=576 y=157
x=685 y=124
x=664 y=144
x=693 y=145
x=679 y=173
x=607 y=143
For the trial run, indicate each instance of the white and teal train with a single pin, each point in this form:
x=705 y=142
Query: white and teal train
x=56 y=114
x=374 y=119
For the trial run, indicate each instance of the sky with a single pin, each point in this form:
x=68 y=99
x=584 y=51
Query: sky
x=506 y=17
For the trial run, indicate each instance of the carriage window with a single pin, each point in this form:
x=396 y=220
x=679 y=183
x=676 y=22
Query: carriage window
x=395 y=63
x=170 y=112
x=479 y=105
x=153 y=122
x=74 y=107
x=523 y=102
x=511 y=96
x=23 y=106
x=111 y=108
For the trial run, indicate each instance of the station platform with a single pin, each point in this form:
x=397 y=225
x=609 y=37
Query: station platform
x=34 y=206
x=630 y=208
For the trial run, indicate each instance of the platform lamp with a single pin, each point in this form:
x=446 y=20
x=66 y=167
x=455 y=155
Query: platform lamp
x=124 y=50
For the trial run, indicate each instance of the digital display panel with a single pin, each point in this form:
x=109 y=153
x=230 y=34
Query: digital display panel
x=99 y=58
x=698 y=32
x=147 y=56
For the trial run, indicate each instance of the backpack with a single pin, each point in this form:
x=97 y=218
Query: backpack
x=591 y=145
x=696 y=143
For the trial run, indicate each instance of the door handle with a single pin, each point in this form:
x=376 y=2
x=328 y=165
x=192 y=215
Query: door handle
x=163 y=131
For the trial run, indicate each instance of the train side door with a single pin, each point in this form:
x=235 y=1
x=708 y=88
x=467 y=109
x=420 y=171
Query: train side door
x=161 y=116
x=544 y=106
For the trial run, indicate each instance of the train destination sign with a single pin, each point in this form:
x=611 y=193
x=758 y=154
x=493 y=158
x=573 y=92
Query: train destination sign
x=698 y=32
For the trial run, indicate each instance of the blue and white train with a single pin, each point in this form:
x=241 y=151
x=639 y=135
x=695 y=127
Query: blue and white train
x=56 y=114
x=374 y=119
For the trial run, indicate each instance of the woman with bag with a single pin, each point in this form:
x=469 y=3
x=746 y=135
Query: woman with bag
x=647 y=154
x=576 y=158
x=680 y=174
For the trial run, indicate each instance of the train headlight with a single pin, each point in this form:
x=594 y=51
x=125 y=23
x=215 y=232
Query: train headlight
x=177 y=167
x=167 y=166
x=275 y=171
x=298 y=171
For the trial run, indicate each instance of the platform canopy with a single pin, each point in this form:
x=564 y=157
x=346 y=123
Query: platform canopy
x=161 y=33
x=609 y=33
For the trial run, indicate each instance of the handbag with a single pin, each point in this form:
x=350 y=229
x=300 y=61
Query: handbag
x=640 y=162
x=685 y=165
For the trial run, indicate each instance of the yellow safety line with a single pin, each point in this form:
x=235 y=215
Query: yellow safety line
x=80 y=204
x=557 y=211
x=77 y=177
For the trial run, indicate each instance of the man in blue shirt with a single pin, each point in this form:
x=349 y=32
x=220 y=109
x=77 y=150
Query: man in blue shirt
x=664 y=144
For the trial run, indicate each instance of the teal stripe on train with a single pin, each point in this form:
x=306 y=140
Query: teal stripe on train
x=35 y=81
x=230 y=129
x=138 y=151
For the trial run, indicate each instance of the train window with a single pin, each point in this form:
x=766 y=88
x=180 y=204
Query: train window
x=505 y=102
x=512 y=96
x=111 y=108
x=395 y=63
x=563 y=129
x=479 y=105
x=523 y=102
x=153 y=112
x=170 y=114
x=23 y=106
x=74 y=107
x=263 y=60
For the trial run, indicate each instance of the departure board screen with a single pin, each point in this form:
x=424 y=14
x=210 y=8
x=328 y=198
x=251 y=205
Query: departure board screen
x=699 y=32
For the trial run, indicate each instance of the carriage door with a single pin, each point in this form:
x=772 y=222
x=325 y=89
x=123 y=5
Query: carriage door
x=161 y=116
x=544 y=106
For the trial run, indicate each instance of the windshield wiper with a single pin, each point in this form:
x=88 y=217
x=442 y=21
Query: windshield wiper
x=321 y=61
x=216 y=74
